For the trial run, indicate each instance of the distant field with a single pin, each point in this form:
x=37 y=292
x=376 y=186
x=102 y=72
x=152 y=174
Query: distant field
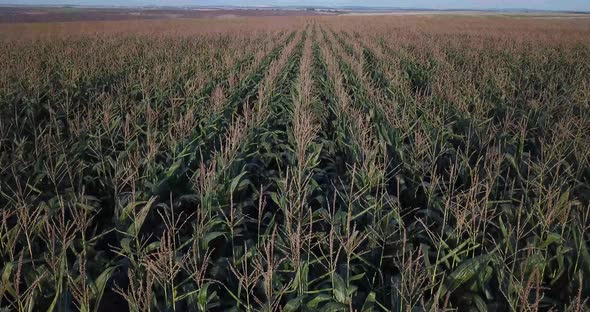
x=79 y=14
x=44 y=14
x=548 y=15
x=300 y=163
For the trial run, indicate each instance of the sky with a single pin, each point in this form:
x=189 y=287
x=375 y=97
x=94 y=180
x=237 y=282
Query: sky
x=578 y=5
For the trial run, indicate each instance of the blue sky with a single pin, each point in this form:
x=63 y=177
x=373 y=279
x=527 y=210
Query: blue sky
x=582 y=5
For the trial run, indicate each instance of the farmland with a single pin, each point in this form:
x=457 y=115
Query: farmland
x=31 y=14
x=346 y=163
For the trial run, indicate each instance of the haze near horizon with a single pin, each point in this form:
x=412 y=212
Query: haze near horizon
x=566 y=5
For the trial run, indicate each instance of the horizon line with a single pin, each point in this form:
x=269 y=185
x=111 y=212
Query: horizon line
x=341 y=7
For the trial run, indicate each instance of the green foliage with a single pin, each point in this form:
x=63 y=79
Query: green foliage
x=325 y=168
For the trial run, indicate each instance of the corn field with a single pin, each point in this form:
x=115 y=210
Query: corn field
x=296 y=164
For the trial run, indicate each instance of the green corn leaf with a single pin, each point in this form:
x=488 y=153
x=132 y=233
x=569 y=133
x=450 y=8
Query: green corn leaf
x=210 y=237
x=369 y=304
x=140 y=218
x=464 y=273
x=235 y=181
x=6 y=282
x=318 y=299
x=172 y=170
x=339 y=289
x=294 y=304
x=552 y=238
x=99 y=285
